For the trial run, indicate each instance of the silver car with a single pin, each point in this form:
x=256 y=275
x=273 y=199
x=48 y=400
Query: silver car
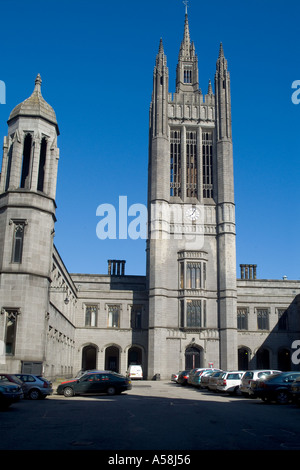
x=251 y=375
x=213 y=380
x=36 y=387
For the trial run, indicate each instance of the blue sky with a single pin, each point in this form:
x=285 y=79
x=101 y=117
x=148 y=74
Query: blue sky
x=96 y=61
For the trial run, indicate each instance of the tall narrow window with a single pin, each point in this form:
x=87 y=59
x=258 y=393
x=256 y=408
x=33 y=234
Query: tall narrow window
x=26 y=163
x=207 y=159
x=10 y=330
x=196 y=314
x=191 y=165
x=187 y=76
x=91 y=315
x=195 y=276
x=42 y=164
x=175 y=164
x=282 y=319
x=262 y=318
x=18 y=239
x=114 y=316
x=8 y=171
x=242 y=319
x=136 y=317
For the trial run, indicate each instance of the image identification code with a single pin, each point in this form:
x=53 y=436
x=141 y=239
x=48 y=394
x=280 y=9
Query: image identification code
x=157 y=459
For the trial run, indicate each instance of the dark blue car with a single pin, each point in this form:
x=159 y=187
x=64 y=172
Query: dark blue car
x=95 y=382
x=275 y=387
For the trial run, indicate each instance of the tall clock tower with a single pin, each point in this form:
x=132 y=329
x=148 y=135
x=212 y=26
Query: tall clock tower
x=191 y=260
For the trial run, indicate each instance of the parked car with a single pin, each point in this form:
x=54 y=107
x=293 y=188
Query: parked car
x=192 y=374
x=183 y=377
x=174 y=377
x=205 y=377
x=251 y=375
x=196 y=380
x=212 y=381
x=295 y=391
x=14 y=379
x=36 y=387
x=230 y=381
x=95 y=382
x=10 y=393
x=276 y=387
x=135 y=372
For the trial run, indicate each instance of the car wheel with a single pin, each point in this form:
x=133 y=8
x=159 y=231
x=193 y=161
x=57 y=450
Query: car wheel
x=34 y=394
x=282 y=397
x=68 y=392
x=111 y=390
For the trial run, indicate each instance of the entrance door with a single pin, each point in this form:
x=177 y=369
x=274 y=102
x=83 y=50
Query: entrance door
x=112 y=359
x=89 y=358
x=193 y=358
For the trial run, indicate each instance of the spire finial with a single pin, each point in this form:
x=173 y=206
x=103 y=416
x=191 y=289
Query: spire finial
x=38 y=82
x=161 y=47
x=186 y=3
x=221 y=51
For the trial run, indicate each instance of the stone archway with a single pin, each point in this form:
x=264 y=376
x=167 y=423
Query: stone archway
x=135 y=356
x=112 y=358
x=89 y=357
x=193 y=357
x=263 y=358
x=284 y=359
x=243 y=358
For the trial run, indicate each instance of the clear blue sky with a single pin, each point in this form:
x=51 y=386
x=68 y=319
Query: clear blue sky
x=96 y=61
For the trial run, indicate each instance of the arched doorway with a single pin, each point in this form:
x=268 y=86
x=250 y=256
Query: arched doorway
x=193 y=357
x=112 y=358
x=135 y=356
x=243 y=358
x=284 y=360
x=263 y=359
x=89 y=357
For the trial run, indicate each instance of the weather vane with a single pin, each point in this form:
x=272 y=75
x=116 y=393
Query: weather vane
x=186 y=3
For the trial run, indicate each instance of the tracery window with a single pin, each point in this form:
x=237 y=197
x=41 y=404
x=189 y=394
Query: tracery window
x=175 y=163
x=18 y=241
x=91 y=313
x=242 y=318
x=282 y=319
x=207 y=164
x=114 y=316
x=10 y=329
x=196 y=313
x=136 y=317
x=187 y=76
x=262 y=318
x=191 y=164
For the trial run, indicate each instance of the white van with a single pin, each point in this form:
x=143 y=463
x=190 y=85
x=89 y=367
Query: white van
x=135 y=372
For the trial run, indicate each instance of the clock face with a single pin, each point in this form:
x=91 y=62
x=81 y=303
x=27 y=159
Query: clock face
x=192 y=213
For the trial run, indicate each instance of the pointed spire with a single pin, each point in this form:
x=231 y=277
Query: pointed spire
x=38 y=83
x=221 y=51
x=161 y=47
x=186 y=42
x=210 y=90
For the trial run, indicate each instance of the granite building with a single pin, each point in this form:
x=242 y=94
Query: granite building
x=190 y=309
